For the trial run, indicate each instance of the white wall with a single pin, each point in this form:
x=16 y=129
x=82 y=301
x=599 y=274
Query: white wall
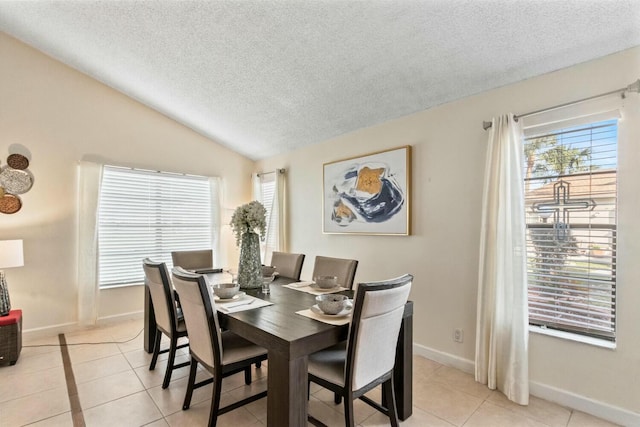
x=442 y=252
x=62 y=116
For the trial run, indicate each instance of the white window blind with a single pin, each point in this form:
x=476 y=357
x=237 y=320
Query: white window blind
x=149 y=214
x=571 y=203
x=268 y=195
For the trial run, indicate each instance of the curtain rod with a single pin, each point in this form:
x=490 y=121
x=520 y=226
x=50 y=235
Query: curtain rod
x=283 y=170
x=633 y=87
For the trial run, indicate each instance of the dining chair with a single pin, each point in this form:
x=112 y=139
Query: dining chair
x=366 y=360
x=343 y=269
x=222 y=353
x=193 y=260
x=168 y=321
x=288 y=264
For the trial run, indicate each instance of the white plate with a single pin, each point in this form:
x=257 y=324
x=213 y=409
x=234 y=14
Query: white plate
x=315 y=286
x=346 y=312
x=236 y=297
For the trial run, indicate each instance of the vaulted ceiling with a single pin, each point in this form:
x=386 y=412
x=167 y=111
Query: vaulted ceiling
x=265 y=77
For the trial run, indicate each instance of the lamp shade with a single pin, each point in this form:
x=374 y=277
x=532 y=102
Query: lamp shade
x=11 y=254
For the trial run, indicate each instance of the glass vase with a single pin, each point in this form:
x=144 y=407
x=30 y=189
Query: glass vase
x=250 y=268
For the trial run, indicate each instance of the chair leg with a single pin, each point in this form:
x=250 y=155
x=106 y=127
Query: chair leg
x=156 y=350
x=215 y=400
x=190 y=384
x=247 y=375
x=258 y=364
x=308 y=389
x=390 y=398
x=337 y=398
x=348 y=411
x=172 y=357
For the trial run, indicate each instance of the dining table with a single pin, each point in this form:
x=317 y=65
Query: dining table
x=289 y=339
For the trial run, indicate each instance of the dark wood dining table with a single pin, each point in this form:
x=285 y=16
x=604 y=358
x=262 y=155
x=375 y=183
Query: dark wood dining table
x=289 y=338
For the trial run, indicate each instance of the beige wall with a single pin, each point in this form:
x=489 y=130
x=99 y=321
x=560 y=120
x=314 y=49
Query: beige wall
x=442 y=252
x=62 y=116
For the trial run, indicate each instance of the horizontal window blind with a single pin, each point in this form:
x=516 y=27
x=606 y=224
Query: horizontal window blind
x=149 y=214
x=571 y=207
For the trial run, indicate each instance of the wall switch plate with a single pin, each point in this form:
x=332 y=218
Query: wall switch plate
x=458 y=335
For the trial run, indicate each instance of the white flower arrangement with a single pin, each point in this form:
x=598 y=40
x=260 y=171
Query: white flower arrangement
x=250 y=217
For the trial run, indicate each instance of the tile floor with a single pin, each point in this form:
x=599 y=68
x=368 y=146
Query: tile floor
x=116 y=388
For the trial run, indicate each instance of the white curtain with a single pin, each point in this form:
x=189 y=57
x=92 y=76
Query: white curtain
x=216 y=215
x=502 y=317
x=89 y=181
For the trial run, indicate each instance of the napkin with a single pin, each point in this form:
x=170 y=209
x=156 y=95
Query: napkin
x=248 y=303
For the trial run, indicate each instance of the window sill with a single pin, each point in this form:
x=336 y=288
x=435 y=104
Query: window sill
x=573 y=337
x=126 y=285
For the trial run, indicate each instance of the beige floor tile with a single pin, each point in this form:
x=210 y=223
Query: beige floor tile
x=131 y=345
x=99 y=368
x=138 y=358
x=34 y=407
x=580 y=419
x=62 y=420
x=93 y=335
x=198 y=415
x=171 y=399
x=324 y=413
x=87 y=352
x=541 y=410
x=17 y=386
x=106 y=389
x=461 y=381
x=135 y=410
x=424 y=368
x=156 y=377
x=258 y=409
x=33 y=363
x=490 y=415
x=444 y=402
x=158 y=423
x=418 y=418
x=361 y=410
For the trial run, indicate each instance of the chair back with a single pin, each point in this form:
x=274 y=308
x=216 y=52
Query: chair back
x=162 y=296
x=343 y=269
x=193 y=260
x=198 y=308
x=374 y=331
x=287 y=264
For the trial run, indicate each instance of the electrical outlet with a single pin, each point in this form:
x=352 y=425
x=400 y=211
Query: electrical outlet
x=458 y=335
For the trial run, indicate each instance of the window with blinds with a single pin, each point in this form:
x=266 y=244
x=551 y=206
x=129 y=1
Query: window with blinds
x=571 y=202
x=268 y=195
x=149 y=214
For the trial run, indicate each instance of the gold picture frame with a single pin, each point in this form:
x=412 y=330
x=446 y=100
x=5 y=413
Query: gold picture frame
x=369 y=194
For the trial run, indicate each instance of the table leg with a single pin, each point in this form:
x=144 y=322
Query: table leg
x=287 y=385
x=403 y=371
x=149 y=322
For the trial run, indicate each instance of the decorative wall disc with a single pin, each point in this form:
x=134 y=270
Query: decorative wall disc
x=18 y=161
x=10 y=204
x=15 y=181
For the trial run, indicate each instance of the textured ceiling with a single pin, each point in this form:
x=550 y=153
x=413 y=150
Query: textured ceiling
x=265 y=77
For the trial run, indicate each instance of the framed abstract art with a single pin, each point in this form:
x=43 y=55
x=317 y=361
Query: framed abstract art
x=369 y=194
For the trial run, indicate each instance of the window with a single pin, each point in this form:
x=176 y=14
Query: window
x=267 y=196
x=570 y=175
x=149 y=214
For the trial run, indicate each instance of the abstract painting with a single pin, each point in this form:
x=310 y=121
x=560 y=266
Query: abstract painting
x=368 y=194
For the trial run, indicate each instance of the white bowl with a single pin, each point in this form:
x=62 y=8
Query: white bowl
x=326 y=282
x=332 y=303
x=225 y=290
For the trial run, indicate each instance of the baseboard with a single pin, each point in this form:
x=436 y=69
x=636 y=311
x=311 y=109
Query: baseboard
x=107 y=320
x=565 y=398
x=581 y=403
x=67 y=328
x=447 y=359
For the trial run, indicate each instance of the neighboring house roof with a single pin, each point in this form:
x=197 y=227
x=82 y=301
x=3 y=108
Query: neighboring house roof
x=596 y=185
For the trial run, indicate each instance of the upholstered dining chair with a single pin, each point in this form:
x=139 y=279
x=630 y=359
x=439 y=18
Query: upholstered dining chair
x=168 y=321
x=222 y=353
x=193 y=260
x=343 y=269
x=366 y=360
x=288 y=264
